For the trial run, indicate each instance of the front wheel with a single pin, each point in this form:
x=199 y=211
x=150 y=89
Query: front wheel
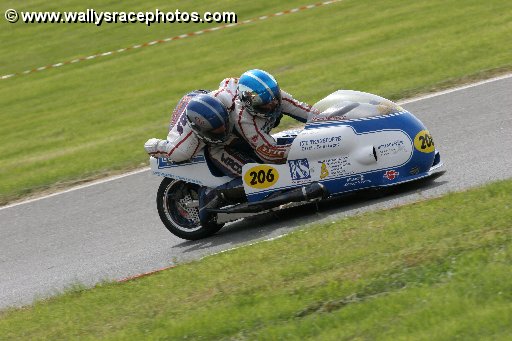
x=178 y=207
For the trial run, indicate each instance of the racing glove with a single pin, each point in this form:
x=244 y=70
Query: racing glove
x=155 y=146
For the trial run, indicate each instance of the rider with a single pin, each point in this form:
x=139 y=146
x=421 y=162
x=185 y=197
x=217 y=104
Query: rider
x=197 y=120
x=256 y=105
x=201 y=120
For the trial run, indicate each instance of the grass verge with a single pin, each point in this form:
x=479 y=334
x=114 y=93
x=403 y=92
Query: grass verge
x=92 y=118
x=433 y=270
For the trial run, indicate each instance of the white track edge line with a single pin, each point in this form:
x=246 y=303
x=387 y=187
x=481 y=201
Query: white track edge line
x=458 y=88
x=406 y=101
x=93 y=183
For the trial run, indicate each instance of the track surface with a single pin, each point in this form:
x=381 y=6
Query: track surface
x=111 y=230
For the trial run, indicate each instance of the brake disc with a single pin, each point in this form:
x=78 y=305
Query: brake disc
x=192 y=212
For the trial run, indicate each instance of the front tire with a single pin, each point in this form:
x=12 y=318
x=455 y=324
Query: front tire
x=178 y=207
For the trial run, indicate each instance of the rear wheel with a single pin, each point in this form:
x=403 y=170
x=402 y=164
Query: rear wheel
x=178 y=207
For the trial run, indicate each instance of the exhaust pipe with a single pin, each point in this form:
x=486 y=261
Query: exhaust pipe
x=310 y=192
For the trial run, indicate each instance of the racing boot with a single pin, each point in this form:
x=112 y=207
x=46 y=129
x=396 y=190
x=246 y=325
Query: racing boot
x=215 y=198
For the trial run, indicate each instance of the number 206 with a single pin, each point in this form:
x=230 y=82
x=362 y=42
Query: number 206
x=261 y=177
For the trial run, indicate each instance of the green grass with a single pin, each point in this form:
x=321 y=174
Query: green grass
x=89 y=119
x=434 y=270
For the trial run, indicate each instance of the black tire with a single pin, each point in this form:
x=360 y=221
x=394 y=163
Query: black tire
x=180 y=220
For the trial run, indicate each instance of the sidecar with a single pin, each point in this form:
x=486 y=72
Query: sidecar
x=359 y=141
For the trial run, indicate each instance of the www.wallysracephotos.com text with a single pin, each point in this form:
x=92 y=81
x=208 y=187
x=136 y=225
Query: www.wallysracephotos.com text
x=90 y=16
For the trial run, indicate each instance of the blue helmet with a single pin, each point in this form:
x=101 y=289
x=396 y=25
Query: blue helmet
x=260 y=93
x=209 y=119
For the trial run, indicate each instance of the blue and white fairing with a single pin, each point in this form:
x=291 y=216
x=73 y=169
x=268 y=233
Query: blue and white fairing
x=359 y=141
x=195 y=170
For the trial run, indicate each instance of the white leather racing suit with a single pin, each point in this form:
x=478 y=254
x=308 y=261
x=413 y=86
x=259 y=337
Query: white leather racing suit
x=183 y=144
x=255 y=130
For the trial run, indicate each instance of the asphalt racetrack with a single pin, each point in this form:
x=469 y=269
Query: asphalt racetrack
x=111 y=230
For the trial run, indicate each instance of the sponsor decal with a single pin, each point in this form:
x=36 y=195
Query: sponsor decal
x=391 y=174
x=424 y=142
x=180 y=108
x=261 y=177
x=309 y=132
x=269 y=152
x=392 y=148
x=164 y=162
x=292 y=132
x=327 y=118
x=356 y=180
x=182 y=121
x=324 y=172
x=178 y=177
x=414 y=170
x=254 y=139
x=231 y=163
x=335 y=166
x=299 y=169
x=322 y=143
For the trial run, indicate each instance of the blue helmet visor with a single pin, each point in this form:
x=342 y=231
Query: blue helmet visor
x=271 y=108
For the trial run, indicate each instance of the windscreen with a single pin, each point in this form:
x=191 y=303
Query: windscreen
x=349 y=104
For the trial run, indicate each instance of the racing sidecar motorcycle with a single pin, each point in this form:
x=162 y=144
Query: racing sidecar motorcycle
x=359 y=141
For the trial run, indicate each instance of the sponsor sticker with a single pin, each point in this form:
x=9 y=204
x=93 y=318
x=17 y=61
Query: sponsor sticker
x=231 y=163
x=356 y=180
x=178 y=177
x=164 y=162
x=321 y=143
x=269 y=152
x=392 y=148
x=391 y=174
x=424 y=142
x=335 y=166
x=327 y=118
x=299 y=169
x=324 y=171
x=181 y=123
x=261 y=177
